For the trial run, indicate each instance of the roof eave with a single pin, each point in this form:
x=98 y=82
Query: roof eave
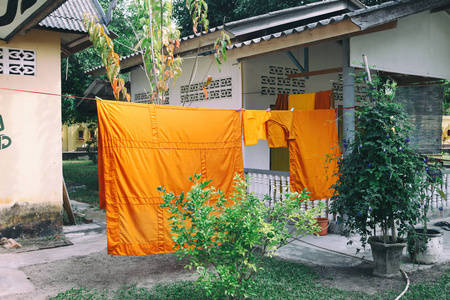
x=35 y=18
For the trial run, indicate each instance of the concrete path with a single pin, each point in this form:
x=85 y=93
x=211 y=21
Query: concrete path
x=332 y=250
x=14 y=281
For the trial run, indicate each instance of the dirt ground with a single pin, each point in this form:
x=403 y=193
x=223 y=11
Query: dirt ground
x=102 y=271
x=360 y=278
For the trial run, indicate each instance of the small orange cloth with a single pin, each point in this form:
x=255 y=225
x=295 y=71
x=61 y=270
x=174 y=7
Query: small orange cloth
x=254 y=124
x=315 y=138
x=323 y=100
x=282 y=102
x=142 y=147
x=279 y=129
x=302 y=101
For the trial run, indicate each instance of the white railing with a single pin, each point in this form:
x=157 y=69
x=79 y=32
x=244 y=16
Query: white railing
x=276 y=183
x=438 y=203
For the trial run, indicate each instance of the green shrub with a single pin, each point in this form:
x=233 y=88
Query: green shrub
x=227 y=240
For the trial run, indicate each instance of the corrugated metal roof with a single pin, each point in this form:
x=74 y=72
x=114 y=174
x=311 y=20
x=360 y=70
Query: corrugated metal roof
x=304 y=14
x=69 y=16
x=287 y=16
x=291 y=31
x=365 y=17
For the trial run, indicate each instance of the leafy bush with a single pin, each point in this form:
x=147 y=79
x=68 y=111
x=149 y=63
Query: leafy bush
x=227 y=240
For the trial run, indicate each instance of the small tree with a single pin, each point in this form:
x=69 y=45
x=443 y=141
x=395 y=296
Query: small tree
x=159 y=39
x=232 y=236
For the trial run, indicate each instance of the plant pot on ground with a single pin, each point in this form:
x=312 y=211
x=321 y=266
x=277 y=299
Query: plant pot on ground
x=387 y=256
x=425 y=245
x=380 y=175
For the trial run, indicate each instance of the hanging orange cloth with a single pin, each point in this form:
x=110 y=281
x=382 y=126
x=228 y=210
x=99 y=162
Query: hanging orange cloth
x=323 y=100
x=302 y=101
x=254 y=124
x=279 y=129
x=282 y=102
x=146 y=146
x=315 y=138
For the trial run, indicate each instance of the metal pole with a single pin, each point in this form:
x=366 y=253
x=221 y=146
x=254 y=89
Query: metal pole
x=366 y=66
x=348 y=95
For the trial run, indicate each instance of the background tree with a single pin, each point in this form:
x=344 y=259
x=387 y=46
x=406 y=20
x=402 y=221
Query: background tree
x=74 y=82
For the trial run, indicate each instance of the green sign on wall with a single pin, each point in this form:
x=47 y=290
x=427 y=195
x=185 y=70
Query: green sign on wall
x=5 y=141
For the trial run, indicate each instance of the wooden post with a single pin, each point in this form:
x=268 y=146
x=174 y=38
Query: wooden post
x=66 y=205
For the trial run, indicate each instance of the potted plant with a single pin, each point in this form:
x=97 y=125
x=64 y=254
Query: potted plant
x=424 y=244
x=379 y=178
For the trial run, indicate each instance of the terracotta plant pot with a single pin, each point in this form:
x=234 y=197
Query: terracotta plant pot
x=324 y=223
x=427 y=250
x=387 y=257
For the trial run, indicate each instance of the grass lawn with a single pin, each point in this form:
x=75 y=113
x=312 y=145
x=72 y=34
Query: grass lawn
x=82 y=181
x=279 y=280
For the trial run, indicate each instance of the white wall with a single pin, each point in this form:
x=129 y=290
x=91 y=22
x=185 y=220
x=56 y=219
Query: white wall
x=420 y=45
x=31 y=168
x=229 y=78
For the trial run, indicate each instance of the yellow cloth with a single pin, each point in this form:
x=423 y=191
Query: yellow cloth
x=254 y=124
x=142 y=147
x=315 y=137
x=302 y=101
x=323 y=100
x=279 y=129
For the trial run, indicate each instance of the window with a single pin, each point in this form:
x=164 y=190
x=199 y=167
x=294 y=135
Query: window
x=92 y=135
x=80 y=135
x=17 y=62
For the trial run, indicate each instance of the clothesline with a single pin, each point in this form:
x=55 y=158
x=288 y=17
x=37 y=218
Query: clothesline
x=78 y=97
x=45 y=93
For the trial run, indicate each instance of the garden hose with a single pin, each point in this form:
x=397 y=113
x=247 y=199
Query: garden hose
x=407 y=285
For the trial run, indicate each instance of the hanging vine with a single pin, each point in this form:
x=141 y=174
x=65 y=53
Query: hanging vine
x=159 y=37
x=105 y=48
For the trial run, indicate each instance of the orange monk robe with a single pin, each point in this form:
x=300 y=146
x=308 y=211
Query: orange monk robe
x=323 y=100
x=281 y=103
x=254 y=124
x=315 y=138
x=279 y=129
x=302 y=101
x=142 y=147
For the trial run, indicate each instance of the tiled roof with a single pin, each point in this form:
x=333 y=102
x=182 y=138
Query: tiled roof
x=69 y=16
